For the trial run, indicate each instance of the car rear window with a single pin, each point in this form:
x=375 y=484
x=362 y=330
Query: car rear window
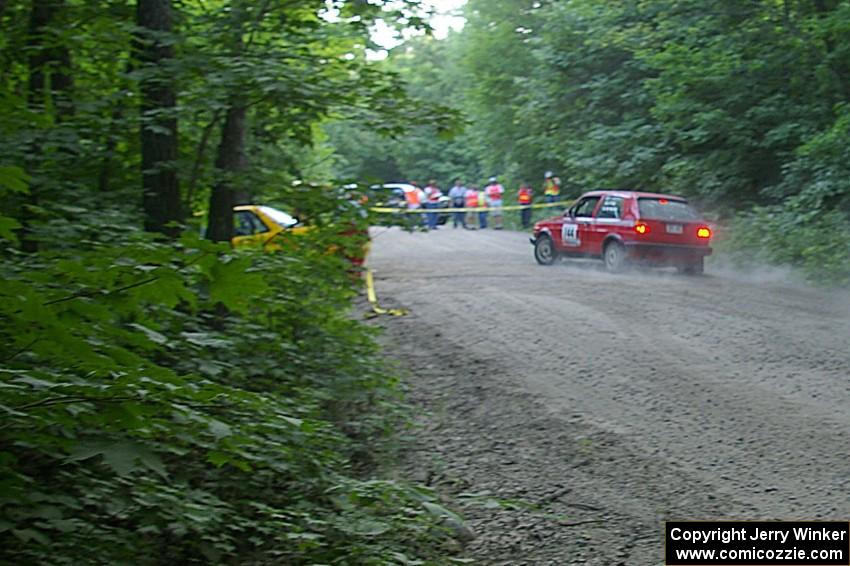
x=664 y=209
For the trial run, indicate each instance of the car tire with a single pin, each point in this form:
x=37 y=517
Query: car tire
x=692 y=267
x=614 y=256
x=544 y=250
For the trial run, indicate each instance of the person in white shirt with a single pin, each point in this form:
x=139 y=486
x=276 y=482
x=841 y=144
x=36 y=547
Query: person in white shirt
x=432 y=201
x=494 y=194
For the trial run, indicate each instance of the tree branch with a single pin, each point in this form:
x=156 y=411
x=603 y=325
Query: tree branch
x=70 y=399
x=93 y=292
x=199 y=155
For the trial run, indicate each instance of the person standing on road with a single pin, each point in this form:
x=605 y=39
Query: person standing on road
x=551 y=187
x=432 y=202
x=494 y=194
x=457 y=194
x=471 y=202
x=482 y=214
x=414 y=198
x=524 y=197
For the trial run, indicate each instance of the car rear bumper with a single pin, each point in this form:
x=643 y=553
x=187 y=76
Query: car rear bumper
x=642 y=250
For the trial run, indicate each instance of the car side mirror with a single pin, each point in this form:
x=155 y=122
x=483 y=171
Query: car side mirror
x=570 y=213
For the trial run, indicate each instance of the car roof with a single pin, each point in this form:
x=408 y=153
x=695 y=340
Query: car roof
x=260 y=207
x=626 y=193
x=403 y=186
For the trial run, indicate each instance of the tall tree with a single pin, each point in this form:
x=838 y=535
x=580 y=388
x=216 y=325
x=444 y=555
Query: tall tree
x=282 y=67
x=48 y=94
x=50 y=79
x=230 y=160
x=158 y=129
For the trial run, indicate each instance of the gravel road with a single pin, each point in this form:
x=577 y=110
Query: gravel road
x=572 y=411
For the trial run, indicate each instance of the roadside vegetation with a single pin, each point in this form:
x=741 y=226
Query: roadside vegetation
x=175 y=403
x=166 y=399
x=742 y=106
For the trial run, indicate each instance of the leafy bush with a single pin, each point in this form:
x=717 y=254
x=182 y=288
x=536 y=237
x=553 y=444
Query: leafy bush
x=178 y=403
x=816 y=242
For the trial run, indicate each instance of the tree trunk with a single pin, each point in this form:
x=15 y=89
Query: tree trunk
x=49 y=83
x=199 y=159
x=160 y=187
x=230 y=161
x=50 y=79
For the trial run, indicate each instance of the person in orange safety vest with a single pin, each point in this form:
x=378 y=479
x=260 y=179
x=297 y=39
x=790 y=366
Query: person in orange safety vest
x=524 y=197
x=471 y=201
x=414 y=198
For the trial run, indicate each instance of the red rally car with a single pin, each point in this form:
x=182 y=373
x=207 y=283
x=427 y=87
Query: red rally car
x=622 y=227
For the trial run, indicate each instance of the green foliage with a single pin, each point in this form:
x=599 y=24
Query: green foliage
x=181 y=403
x=814 y=241
x=12 y=180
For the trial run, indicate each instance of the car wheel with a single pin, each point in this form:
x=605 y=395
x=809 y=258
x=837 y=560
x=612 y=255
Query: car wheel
x=614 y=256
x=544 y=250
x=692 y=267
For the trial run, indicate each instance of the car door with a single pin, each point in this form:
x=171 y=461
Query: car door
x=606 y=220
x=575 y=230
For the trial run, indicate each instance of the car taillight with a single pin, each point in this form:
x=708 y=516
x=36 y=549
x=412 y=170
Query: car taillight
x=641 y=228
x=703 y=232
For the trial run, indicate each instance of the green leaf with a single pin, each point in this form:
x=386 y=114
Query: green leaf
x=218 y=429
x=234 y=287
x=217 y=459
x=34 y=382
x=14 y=179
x=121 y=457
x=7 y=228
x=367 y=527
x=30 y=535
x=205 y=340
x=152 y=335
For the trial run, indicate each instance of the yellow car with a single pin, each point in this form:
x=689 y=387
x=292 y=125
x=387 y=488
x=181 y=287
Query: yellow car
x=263 y=226
x=257 y=225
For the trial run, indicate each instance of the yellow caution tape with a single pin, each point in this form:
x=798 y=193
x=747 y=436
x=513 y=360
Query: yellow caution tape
x=373 y=298
x=386 y=209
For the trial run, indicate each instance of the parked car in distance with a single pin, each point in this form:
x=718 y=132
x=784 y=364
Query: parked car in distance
x=624 y=227
x=261 y=226
x=392 y=195
x=258 y=225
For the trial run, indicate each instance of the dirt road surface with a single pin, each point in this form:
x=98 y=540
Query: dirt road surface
x=572 y=411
